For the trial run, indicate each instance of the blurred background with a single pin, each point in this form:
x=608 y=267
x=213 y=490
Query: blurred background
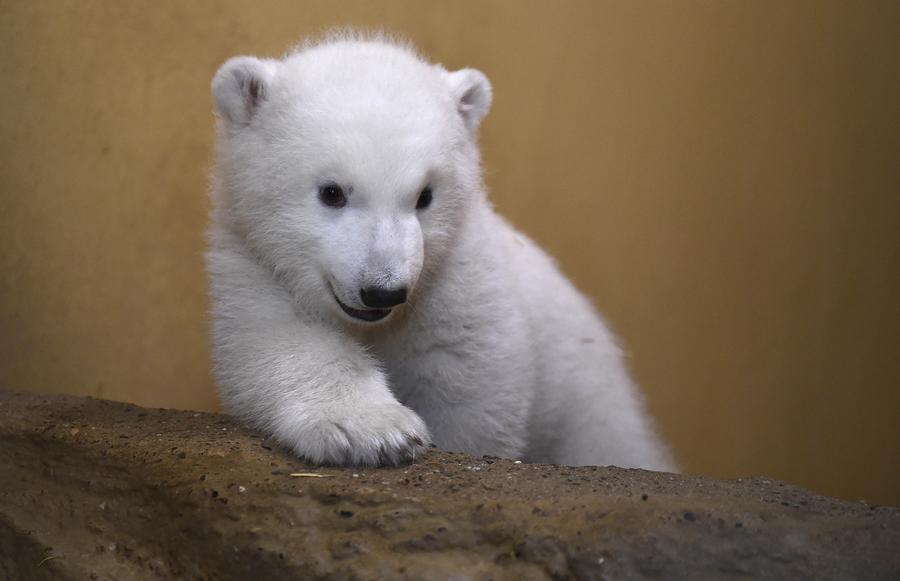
x=721 y=177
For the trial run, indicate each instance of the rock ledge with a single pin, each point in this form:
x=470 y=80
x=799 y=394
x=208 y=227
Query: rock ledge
x=92 y=489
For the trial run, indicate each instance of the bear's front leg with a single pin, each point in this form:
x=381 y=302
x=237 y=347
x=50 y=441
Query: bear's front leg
x=310 y=386
x=335 y=417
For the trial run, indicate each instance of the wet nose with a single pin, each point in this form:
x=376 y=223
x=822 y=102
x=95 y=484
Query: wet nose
x=381 y=298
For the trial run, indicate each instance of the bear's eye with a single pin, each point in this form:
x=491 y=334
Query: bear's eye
x=424 y=199
x=332 y=195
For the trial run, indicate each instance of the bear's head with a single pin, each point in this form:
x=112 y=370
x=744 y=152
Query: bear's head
x=348 y=168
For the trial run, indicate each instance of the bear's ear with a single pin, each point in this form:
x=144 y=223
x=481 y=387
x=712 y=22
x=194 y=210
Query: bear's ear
x=472 y=92
x=240 y=86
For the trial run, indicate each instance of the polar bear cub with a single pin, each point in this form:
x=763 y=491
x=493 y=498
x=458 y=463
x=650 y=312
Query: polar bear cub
x=366 y=298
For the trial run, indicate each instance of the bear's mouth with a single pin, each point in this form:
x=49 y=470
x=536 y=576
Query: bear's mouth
x=367 y=315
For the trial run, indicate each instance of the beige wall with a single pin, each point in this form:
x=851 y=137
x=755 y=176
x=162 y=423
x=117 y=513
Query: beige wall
x=723 y=178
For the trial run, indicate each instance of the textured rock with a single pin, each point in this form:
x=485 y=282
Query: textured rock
x=104 y=490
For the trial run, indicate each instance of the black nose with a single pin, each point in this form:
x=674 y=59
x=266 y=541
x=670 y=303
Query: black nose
x=380 y=298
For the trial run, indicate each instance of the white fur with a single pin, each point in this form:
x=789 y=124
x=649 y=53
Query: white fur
x=495 y=351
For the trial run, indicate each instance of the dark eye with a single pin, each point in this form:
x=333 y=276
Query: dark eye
x=332 y=195
x=424 y=199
